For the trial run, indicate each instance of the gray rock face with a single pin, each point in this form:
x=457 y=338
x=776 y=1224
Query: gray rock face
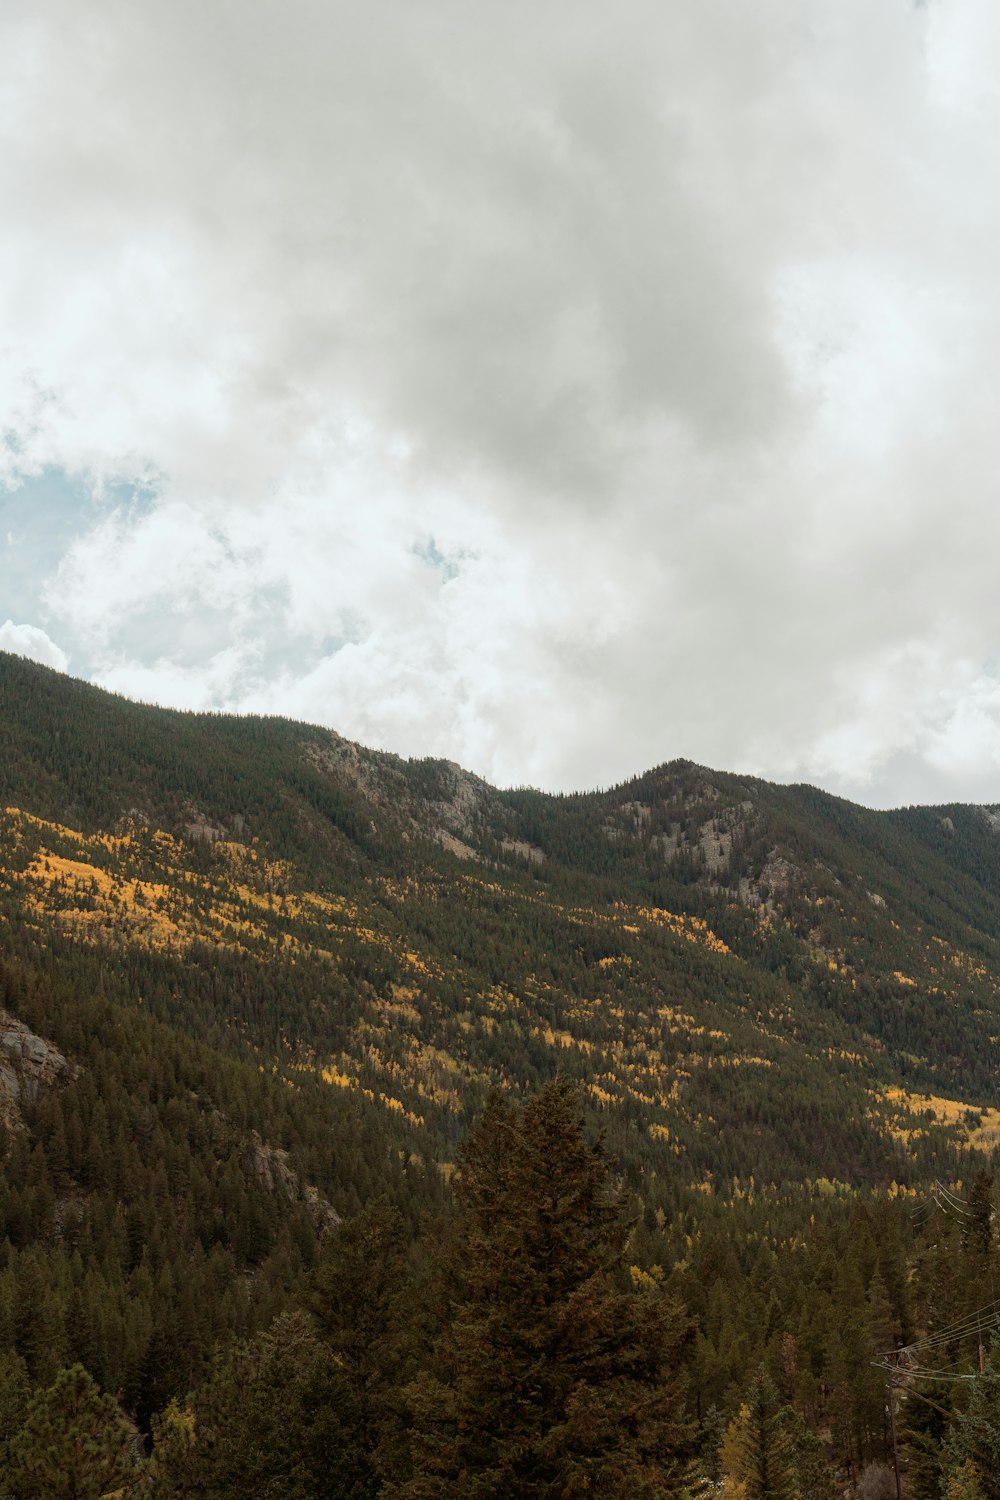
x=28 y=1064
x=448 y=815
x=269 y=1164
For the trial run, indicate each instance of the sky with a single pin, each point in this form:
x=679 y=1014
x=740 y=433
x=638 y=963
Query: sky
x=557 y=388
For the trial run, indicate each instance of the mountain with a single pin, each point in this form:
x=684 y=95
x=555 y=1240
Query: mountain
x=256 y=979
x=747 y=979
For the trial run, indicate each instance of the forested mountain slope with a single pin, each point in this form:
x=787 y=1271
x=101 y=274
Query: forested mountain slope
x=746 y=978
x=254 y=979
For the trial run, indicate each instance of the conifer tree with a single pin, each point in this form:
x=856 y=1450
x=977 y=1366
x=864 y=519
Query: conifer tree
x=362 y=1300
x=15 y=1393
x=973 y=1447
x=977 y=1232
x=815 y=1475
x=74 y=1444
x=758 y=1458
x=550 y=1378
x=272 y=1422
x=923 y=1431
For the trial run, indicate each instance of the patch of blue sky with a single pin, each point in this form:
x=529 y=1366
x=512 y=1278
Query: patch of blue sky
x=447 y=564
x=39 y=521
x=40 y=518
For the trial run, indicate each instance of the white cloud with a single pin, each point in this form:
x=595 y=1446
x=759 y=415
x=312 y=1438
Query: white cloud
x=671 y=333
x=30 y=641
x=164 y=681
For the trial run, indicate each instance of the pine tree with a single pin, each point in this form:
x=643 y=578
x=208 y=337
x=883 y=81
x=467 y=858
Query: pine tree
x=15 y=1393
x=975 y=1435
x=758 y=1457
x=362 y=1300
x=74 y=1444
x=273 y=1422
x=815 y=1475
x=923 y=1429
x=977 y=1232
x=550 y=1378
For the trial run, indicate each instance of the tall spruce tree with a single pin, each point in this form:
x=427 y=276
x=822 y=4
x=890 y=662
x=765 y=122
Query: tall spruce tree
x=551 y=1376
x=758 y=1456
x=977 y=1231
x=362 y=1298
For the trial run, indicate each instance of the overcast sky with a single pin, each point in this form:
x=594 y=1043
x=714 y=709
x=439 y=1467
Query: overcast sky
x=557 y=387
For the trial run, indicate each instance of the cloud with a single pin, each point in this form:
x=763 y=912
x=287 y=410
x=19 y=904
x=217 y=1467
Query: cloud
x=30 y=641
x=528 y=247
x=554 y=390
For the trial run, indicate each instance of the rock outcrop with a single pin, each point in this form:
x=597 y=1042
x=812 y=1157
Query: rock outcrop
x=269 y=1164
x=28 y=1064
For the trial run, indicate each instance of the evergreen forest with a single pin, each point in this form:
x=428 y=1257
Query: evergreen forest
x=370 y=1131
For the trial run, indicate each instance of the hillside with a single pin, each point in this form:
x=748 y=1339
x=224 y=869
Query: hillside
x=257 y=984
x=747 y=979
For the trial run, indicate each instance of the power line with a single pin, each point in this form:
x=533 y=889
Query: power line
x=943 y=1199
x=949 y=1192
x=956 y=1362
x=982 y=1319
x=913 y=1374
x=953 y=1200
x=955 y=1335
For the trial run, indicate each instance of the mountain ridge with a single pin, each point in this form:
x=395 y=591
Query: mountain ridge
x=415 y=936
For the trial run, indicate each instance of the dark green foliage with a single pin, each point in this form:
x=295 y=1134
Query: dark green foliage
x=273 y=1421
x=135 y=1210
x=815 y=1476
x=973 y=1448
x=977 y=1232
x=758 y=1454
x=923 y=1429
x=74 y=1445
x=364 y=1301
x=15 y=1393
x=549 y=1378
x=163 y=1201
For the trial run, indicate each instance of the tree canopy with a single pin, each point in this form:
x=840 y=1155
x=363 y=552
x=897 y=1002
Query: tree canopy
x=551 y=1376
